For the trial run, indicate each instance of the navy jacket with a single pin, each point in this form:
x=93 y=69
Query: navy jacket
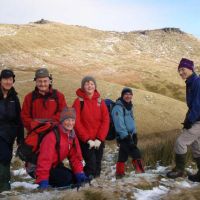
x=193 y=98
x=10 y=121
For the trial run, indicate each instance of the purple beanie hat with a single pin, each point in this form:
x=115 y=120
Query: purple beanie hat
x=186 y=64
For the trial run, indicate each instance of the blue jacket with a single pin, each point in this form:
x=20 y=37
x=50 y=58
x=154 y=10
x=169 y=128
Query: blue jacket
x=124 y=122
x=193 y=98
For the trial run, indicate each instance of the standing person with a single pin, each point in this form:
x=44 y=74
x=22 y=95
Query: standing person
x=42 y=104
x=50 y=170
x=10 y=125
x=92 y=125
x=122 y=115
x=190 y=134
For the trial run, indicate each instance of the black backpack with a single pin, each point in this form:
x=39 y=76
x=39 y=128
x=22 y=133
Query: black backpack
x=111 y=132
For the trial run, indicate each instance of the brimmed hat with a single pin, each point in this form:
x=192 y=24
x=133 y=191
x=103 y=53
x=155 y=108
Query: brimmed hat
x=7 y=73
x=126 y=90
x=186 y=63
x=41 y=73
x=87 y=79
x=67 y=113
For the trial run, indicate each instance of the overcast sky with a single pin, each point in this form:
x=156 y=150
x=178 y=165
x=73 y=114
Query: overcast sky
x=117 y=15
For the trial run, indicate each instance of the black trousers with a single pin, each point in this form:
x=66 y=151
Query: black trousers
x=93 y=158
x=126 y=149
x=5 y=152
x=61 y=176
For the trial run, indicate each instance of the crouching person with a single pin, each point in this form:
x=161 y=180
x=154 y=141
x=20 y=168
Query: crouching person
x=50 y=171
x=122 y=115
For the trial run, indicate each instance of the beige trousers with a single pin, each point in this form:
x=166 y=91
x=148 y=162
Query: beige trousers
x=189 y=137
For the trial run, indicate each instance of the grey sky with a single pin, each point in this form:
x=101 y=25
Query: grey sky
x=118 y=15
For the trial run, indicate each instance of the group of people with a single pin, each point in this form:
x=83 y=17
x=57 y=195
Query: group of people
x=83 y=128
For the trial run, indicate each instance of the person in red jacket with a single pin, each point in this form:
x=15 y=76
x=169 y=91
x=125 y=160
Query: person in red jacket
x=50 y=171
x=92 y=124
x=42 y=104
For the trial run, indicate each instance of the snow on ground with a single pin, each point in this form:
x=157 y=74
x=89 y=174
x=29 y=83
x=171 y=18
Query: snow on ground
x=152 y=185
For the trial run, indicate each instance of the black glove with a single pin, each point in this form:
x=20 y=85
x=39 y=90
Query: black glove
x=187 y=125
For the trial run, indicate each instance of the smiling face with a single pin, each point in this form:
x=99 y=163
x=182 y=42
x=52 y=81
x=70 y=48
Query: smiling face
x=68 y=124
x=127 y=97
x=185 y=73
x=7 y=83
x=43 y=84
x=89 y=88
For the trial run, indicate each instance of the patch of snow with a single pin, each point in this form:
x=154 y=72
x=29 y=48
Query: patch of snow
x=153 y=194
x=24 y=184
x=19 y=172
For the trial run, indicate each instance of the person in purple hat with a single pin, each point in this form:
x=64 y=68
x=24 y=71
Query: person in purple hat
x=190 y=135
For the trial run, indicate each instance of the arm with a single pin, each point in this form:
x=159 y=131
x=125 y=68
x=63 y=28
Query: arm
x=75 y=157
x=194 y=112
x=25 y=113
x=105 y=122
x=45 y=158
x=20 y=127
x=81 y=131
x=119 y=123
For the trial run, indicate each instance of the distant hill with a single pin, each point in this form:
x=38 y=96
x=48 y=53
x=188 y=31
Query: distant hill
x=143 y=59
x=146 y=60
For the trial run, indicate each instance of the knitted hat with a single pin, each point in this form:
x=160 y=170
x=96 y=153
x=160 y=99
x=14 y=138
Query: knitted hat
x=186 y=64
x=7 y=73
x=87 y=79
x=67 y=113
x=41 y=73
x=126 y=90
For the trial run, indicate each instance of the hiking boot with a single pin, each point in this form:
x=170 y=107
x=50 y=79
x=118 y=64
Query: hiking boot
x=138 y=164
x=120 y=170
x=196 y=177
x=4 y=177
x=175 y=173
x=179 y=170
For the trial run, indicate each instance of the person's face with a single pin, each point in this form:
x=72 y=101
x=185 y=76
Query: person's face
x=127 y=97
x=43 y=84
x=185 y=73
x=68 y=124
x=89 y=87
x=7 y=83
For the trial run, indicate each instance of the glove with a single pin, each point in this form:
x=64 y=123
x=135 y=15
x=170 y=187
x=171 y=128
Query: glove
x=91 y=144
x=97 y=144
x=81 y=178
x=44 y=184
x=187 y=125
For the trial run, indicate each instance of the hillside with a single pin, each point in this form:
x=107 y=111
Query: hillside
x=146 y=60
x=142 y=59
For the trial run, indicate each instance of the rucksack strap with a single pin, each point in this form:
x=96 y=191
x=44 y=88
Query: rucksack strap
x=57 y=135
x=81 y=103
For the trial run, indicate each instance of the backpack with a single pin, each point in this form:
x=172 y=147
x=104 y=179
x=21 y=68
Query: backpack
x=111 y=132
x=53 y=96
x=28 y=151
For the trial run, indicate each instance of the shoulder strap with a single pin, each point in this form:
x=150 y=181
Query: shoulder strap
x=99 y=101
x=81 y=102
x=55 y=96
x=57 y=135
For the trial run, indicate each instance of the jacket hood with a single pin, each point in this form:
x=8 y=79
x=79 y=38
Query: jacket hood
x=81 y=93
